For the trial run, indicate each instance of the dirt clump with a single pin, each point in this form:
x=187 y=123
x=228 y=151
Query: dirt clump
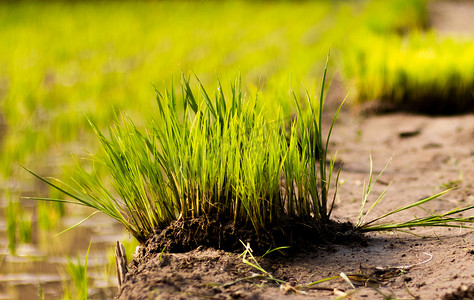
x=464 y=292
x=187 y=234
x=195 y=274
x=181 y=260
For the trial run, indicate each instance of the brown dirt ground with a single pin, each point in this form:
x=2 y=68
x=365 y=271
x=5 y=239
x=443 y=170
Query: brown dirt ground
x=428 y=154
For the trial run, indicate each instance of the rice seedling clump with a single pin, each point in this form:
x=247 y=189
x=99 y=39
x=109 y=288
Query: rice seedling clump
x=420 y=72
x=213 y=170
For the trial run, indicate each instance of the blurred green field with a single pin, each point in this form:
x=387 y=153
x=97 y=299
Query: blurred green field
x=62 y=61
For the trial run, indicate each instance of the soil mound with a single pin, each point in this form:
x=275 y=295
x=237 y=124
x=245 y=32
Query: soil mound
x=180 y=261
x=198 y=274
x=187 y=234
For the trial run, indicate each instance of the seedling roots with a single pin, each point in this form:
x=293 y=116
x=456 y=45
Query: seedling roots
x=186 y=234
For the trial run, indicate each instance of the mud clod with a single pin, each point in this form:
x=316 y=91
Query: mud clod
x=464 y=292
x=188 y=234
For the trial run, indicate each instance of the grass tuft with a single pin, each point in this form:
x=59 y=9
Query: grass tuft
x=78 y=273
x=433 y=220
x=217 y=156
x=398 y=71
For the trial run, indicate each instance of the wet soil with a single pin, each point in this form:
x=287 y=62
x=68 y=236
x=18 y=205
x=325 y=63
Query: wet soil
x=188 y=234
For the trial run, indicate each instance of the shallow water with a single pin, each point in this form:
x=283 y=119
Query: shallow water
x=41 y=265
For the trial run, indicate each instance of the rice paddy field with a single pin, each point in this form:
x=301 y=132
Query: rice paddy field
x=215 y=109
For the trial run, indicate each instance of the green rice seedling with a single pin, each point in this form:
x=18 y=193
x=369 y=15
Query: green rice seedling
x=308 y=171
x=19 y=229
x=253 y=262
x=40 y=291
x=49 y=214
x=25 y=227
x=217 y=157
x=77 y=272
x=11 y=219
x=446 y=219
x=398 y=71
x=249 y=259
x=399 y=16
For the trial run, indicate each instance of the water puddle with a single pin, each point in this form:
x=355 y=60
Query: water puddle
x=40 y=266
